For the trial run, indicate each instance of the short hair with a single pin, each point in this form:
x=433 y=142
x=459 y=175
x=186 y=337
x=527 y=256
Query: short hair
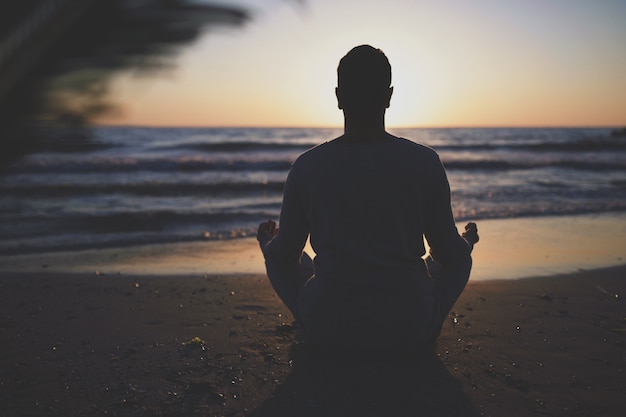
x=364 y=76
x=364 y=66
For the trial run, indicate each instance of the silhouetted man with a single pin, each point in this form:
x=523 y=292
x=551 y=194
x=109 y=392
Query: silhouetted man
x=367 y=199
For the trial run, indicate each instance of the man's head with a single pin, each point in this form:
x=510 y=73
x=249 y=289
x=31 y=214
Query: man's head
x=363 y=81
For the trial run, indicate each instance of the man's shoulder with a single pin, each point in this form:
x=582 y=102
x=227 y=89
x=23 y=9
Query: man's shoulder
x=315 y=152
x=398 y=146
x=414 y=150
x=415 y=146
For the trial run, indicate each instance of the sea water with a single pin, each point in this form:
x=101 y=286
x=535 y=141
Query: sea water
x=133 y=185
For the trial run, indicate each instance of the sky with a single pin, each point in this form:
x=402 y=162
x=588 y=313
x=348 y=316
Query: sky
x=455 y=63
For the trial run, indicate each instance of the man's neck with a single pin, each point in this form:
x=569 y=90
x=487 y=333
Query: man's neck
x=362 y=129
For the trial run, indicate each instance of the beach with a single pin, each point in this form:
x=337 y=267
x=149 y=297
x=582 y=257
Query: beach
x=131 y=283
x=79 y=344
x=104 y=339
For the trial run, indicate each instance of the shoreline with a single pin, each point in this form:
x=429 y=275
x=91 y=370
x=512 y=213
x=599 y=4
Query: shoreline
x=508 y=249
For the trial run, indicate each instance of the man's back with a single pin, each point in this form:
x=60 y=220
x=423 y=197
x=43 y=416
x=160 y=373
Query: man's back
x=366 y=203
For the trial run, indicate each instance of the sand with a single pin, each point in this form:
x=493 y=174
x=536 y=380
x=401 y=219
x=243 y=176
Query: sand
x=195 y=329
x=87 y=344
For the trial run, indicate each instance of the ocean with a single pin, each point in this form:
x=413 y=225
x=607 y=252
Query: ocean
x=127 y=186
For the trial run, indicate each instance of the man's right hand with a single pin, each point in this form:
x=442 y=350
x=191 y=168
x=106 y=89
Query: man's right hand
x=266 y=232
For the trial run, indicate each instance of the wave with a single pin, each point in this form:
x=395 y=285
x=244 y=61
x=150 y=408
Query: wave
x=581 y=145
x=142 y=189
x=276 y=139
x=246 y=146
x=130 y=165
x=131 y=229
x=504 y=165
x=213 y=145
x=538 y=211
x=168 y=222
x=128 y=228
x=129 y=222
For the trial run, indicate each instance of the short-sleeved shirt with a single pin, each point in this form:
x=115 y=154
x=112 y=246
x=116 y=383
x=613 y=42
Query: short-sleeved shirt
x=367 y=206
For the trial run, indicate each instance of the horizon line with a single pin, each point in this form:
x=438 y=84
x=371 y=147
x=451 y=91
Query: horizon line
x=251 y=126
x=243 y=126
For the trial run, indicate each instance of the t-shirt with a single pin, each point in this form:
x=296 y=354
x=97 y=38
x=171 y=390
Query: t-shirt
x=367 y=206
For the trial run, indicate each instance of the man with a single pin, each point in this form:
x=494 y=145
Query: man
x=367 y=199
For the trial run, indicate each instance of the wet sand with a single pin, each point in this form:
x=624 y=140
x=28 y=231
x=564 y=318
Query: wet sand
x=508 y=249
x=189 y=344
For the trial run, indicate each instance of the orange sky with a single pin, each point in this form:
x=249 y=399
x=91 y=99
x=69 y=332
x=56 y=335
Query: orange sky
x=455 y=63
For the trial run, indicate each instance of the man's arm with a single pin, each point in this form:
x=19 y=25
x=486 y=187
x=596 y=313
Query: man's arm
x=285 y=248
x=447 y=247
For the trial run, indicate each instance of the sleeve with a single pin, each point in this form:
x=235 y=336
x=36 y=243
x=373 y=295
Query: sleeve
x=293 y=228
x=447 y=247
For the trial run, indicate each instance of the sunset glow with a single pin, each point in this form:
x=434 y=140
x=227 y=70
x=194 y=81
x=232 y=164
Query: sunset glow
x=455 y=63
